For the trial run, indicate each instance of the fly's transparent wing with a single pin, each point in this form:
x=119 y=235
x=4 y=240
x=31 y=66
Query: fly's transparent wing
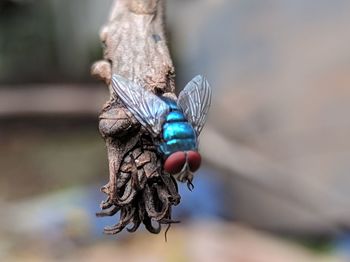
x=147 y=108
x=194 y=100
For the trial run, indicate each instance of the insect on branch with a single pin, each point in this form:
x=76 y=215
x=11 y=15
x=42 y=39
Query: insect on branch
x=151 y=136
x=135 y=48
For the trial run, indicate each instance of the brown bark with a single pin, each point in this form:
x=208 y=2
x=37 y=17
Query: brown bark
x=135 y=48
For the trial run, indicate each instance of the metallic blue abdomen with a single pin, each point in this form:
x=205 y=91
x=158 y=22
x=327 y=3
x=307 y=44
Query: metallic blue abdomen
x=178 y=130
x=177 y=134
x=175 y=116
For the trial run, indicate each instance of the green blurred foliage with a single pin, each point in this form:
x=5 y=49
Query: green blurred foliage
x=43 y=41
x=27 y=46
x=49 y=157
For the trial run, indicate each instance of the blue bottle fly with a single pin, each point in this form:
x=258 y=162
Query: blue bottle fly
x=174 y=125
x=178 y=134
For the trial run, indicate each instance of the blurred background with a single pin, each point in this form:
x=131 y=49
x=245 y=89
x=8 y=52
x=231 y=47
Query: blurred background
x=275 y=181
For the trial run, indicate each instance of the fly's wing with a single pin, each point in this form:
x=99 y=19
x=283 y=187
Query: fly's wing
x=194 y=100
x=147 y=108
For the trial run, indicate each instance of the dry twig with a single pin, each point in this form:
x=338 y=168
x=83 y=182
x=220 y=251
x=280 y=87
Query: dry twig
x=135 y=48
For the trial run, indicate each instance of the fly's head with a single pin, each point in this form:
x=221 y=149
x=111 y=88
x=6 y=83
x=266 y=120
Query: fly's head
x=182 y=165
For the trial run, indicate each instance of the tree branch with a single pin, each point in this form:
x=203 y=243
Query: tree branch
x=135 y=45
x=135 y=48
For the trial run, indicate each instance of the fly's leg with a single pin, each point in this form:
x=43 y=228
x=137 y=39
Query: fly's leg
x=185 y=175
x=190 y=186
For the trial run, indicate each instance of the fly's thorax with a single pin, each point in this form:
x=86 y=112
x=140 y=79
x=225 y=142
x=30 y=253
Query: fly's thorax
x=174 y=145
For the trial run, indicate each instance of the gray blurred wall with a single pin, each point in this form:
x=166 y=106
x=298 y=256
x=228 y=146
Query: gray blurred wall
x=280 y=73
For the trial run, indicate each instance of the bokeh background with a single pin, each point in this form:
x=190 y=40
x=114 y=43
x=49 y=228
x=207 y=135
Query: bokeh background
x=275 y=181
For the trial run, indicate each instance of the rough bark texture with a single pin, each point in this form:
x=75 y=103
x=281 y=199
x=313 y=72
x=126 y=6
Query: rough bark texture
x=135 y=48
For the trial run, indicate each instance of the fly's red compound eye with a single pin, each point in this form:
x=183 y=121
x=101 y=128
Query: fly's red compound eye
x=175 y=162
x=194 y=160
